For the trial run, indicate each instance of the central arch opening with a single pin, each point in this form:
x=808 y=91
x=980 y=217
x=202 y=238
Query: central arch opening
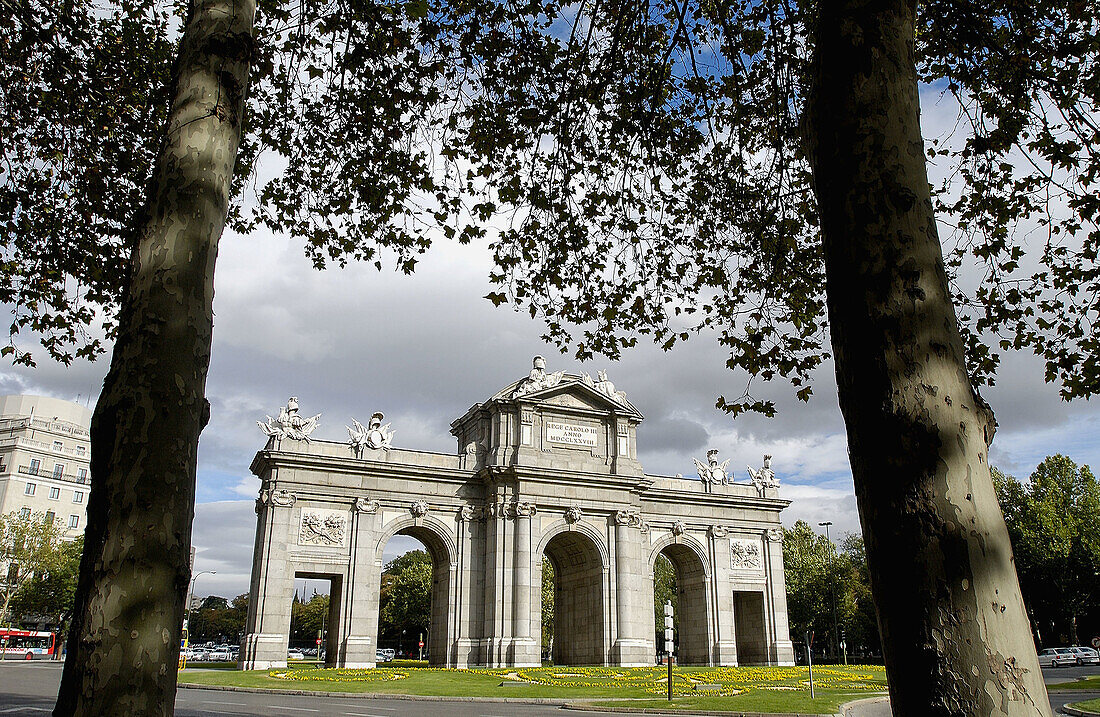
x=413 y=601
x=578 y=620
x=690 y=585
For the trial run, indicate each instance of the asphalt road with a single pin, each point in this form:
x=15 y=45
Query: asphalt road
x=29 y=688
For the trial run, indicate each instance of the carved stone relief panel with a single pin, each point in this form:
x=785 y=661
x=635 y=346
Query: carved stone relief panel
x=746 y=554
x=323 y=527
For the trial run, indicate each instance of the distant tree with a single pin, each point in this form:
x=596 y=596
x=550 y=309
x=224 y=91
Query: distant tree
x=308 y=620
x=1054 y=523
x=29 y=546
x=214 y=602
x=219 y=620
x=52 y=587
x=547 y=604
x=817 y=574
x=664 y=590
x=406 y=604
x=859 y=619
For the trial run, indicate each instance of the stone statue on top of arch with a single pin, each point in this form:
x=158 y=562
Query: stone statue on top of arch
x=289 y=424
x=538 y=379
x=713 y=472
x=765 y=477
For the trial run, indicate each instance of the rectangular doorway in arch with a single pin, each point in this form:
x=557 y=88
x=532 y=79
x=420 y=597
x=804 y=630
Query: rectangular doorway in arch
x=315 y=616
x=750 y=627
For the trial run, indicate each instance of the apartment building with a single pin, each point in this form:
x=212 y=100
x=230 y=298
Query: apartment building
x=44 y=453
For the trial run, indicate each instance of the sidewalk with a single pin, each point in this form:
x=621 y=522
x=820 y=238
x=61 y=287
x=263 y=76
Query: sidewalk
x=871 y=707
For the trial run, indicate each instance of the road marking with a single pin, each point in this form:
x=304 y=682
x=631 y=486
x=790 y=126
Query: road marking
x=24 y=709
x=296 y=709
x=361 y=714
x=235 y=704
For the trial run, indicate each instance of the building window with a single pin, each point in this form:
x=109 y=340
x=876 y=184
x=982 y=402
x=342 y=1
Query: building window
x=78 y=496
x=58 y=471
x=81 y=450
x=29 y=489
x=74 y=521
x=55 y=493
x=35 y=465
x=83 y=474
x=58 y=446
x=24 y=513
x=49 y=517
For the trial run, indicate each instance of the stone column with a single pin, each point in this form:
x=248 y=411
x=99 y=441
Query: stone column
x=359 y=622
x=525 y=652
x=496 y=628
x=782 y=650
x=630 y=647
x=469 y=622
x=267 y=628
x=725 y=641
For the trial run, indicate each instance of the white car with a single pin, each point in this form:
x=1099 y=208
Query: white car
x=295 y=655
x=220 y=655
x=1057 y=657
x=1086 y=655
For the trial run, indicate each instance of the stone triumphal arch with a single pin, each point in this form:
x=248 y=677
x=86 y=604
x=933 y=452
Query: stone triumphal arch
x=548 y=468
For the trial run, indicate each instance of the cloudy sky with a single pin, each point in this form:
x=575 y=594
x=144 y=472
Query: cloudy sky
x=423 y=349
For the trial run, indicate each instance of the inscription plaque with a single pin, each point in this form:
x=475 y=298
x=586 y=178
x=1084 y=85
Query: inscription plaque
x=570 y=434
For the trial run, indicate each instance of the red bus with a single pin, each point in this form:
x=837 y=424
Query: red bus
x=27 y=644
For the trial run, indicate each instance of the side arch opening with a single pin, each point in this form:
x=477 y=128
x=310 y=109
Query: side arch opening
x=578 y=600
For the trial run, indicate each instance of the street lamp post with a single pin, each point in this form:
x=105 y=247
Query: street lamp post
x=832 y=587
x=190 y=592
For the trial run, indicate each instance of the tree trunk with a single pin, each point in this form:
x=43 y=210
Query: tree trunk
x=955 y=635
x=124 y=638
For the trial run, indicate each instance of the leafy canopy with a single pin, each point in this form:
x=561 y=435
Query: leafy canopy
x=637 y=168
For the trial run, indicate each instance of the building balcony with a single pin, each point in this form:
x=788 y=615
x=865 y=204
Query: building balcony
x=44 y=473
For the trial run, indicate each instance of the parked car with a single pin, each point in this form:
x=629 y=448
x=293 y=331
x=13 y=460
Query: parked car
x=1057 y=657
x=1086 y=655
x=390 y=653
x=295 y=655
x=221 y=654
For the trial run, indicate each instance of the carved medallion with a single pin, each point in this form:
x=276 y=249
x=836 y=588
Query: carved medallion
x=281 y=498
x=419 y=508
x=366 y=505
x=678 y=528
x=573 y=515
x=628 y=517
x=718 y=531
x=525 y=510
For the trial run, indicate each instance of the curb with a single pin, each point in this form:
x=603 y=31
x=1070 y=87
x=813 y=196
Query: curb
x=1071 y=710
x=564 y=704
x=582 y=707
x=852 y=709
x=373 y=695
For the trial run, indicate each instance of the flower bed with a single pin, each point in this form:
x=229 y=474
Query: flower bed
x=637 y=680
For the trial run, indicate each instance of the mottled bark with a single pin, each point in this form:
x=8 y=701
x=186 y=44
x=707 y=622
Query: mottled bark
x=955 y=635
x=124 y=640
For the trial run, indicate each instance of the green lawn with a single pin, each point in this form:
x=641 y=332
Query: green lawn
x=763 y=689
x=1089 y=683
x=1090 y=706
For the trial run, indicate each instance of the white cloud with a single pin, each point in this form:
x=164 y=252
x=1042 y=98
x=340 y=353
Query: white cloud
x=423 y=348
